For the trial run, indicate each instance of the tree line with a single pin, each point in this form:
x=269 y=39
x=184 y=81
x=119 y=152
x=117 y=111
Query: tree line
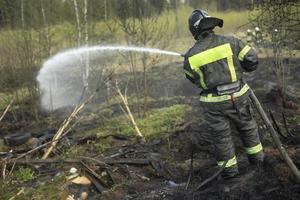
x=62 y=10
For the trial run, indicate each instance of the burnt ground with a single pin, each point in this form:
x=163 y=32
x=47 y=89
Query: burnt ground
x=167 y=174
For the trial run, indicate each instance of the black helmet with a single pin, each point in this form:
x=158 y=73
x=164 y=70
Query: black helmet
x=200 y=21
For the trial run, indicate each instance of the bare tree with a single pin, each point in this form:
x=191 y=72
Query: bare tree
x=22 y=14
x=87 y=59
x=144 y=31
x=78 y=22
x=105 y=10
x=278 y=22
x=47 y=29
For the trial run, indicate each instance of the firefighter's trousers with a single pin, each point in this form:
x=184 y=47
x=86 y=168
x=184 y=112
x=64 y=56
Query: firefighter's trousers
x=218 y=116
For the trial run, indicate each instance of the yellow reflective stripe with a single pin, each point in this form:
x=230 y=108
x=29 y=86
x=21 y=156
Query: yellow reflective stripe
x=189 y=73
x=244 y=89
x=231 y=69
x=202 y=83
x=209 y=56
x=243 y=52
x=230 y=162
x=210 y=98
x=254 y=150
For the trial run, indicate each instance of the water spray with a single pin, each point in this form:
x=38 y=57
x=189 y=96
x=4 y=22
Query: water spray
x=56 y=73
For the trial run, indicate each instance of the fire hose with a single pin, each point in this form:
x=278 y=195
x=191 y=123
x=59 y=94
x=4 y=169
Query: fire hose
x=274 y=135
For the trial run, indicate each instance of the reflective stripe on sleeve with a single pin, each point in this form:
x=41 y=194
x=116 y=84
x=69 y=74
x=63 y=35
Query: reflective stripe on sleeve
x=254 y=150
x=202 y=83
x=189 y=74
x=243 y=52
x=211 y=98
x=231 y=69
x=230 y=162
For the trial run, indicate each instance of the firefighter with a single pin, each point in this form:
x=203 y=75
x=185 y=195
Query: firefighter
x=215 y=64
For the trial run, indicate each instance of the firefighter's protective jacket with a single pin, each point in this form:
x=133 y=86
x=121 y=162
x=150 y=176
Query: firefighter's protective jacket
x=214 y=62
x=217 y=60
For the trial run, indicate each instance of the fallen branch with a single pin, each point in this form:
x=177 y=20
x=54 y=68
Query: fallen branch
x=76 y=110
x=129 y=162
x=6 y=109
x=211 y=178
x=41 y=146
x=65 y=124
x=72 y=161
x=276 y=125
x=93 y=160
x=286 y=126
x=128 y=112
x=20 y=192
x=4 y=171
x=191 y=170
x=97 y=176
x=97 y=185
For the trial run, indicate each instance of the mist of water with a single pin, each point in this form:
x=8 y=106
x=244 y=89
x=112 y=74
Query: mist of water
x=60 y=78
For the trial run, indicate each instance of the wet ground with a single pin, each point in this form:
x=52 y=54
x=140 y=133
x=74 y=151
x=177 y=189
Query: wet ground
x=169 y=174
x=273 y=180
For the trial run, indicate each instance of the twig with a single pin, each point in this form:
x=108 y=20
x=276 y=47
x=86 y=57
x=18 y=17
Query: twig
x=286 y=126
x=191 y=169
x=60 y=131
x=6 y=109
x=67 y=121
x=121 y=153
x=128 y=112
x=276 y=125
x=43 y=145
x=12 y=169
x=144 y=178
x=20 y=192
x=211 y=178
x=4 y=171
x=97 y=185
x=129 y=161
x=94 y=160
x=94 y=174
x=76 y=160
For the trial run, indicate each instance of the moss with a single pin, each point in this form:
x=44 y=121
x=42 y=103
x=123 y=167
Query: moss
x=295 y=119
x=2 y=146
x=103 y=145
x=52 y=190
x=6 y=190
x=74 y=151
x=156 y=123
x=24 y=174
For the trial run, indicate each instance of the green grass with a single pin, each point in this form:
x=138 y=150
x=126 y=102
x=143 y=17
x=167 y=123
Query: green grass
x=24 y=174
x=50 y=190
x=295 y=119
x=2 y=146
x=155 y=124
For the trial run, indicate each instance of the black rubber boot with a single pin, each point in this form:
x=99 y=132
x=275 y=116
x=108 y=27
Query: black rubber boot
x=240 y=180
x=256 y=159
x=230 y=172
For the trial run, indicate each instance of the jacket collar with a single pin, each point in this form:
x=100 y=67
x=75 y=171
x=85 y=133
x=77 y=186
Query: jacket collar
x=206 y=34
